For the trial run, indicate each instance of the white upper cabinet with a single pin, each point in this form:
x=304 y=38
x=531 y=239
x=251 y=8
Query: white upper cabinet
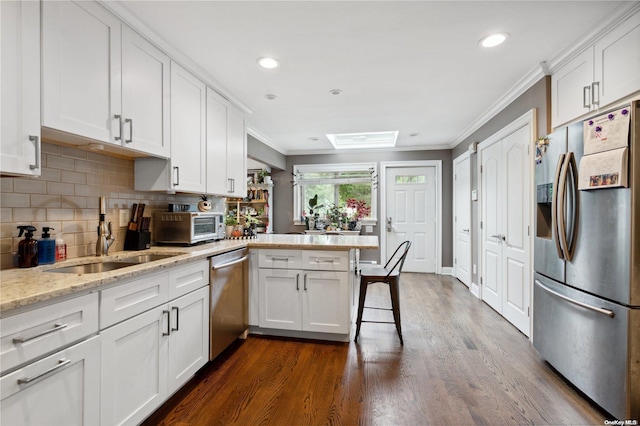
x=617 y=62
x=20 y=88
x=602 y=74
x=226 y=148
x=102 y=80
x=145 y=95
x=188 y=131
x=81 y=70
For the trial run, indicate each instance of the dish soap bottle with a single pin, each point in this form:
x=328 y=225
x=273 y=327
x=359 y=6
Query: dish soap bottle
x=61 y=249
x=46 y=247
x=27 y=248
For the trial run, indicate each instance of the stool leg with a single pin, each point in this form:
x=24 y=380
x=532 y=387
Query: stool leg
x=395 y=306
x=363 y=296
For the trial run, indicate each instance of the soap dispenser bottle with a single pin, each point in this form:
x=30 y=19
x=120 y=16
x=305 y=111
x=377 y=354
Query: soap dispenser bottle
x=27 y=248
x=46 y=247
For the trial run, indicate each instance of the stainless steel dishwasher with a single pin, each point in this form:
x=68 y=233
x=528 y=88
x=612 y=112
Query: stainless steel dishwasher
x=229 y=317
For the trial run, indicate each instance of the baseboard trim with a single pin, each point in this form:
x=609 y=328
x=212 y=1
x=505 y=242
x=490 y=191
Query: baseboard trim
x=447 y=270
x=475 y=290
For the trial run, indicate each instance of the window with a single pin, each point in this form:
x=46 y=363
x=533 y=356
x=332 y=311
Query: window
x=334 y=184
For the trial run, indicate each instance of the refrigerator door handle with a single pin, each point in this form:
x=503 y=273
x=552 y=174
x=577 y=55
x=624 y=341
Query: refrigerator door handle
x=603 y=311
x=554 y=205
x=562 y=208
x=575 y=193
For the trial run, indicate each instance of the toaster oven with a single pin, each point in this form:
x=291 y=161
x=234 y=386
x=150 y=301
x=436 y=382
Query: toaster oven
x=187 y=228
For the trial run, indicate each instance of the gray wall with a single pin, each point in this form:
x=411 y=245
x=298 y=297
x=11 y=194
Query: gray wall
x=538 y=97
x=283 y=191
x=265 y=154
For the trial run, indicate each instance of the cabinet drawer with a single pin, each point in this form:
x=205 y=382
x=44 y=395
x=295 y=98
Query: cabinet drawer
x=185 y=279
x=61 y=389
x=134 y=297
x=280 y=259
x=31 y=334
x=321 y=260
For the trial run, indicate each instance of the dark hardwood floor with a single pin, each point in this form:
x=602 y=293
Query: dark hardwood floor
x=461 y=364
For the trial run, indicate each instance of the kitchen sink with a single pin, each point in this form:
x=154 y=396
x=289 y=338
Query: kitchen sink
x=148 y=257
x=93 y=268
x=111 y=264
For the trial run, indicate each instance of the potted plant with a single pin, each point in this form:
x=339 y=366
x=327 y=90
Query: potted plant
x=314 y=214
x=264 y=176
x=250 y=223
x=230 y=222
x=357 y=210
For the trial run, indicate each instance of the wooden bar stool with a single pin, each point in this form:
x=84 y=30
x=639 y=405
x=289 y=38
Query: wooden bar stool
x=391 y=277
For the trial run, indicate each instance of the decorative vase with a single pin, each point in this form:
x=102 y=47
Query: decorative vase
x=311 y=224
x=229 y=230
x=358 y=226
x=352 y=225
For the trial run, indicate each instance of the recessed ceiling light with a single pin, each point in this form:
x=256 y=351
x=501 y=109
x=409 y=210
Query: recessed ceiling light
x=335 y=92
x=270 y=96
x=269 y=63
x=413 y=135
x=313 y=139
x=493 y=40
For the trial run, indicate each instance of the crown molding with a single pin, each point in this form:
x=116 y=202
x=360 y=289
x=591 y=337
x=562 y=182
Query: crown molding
x=123 y=13
x=265 y=140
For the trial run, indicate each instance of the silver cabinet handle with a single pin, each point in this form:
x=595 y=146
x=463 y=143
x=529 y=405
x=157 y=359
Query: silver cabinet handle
x=282 y=259
x=130 y=121
x=61 y=363
x=305 y=282
x=318 y=260
x=119 y=117
x=164 y=311
x=466 y=231
x=297 y=282
x=176 y=174
x=35 y=139
x=225 y=265
x=586 y=91
x=177 y=309
x=57 y=327
x=603 y=311
x=595 y=89
x=230 y=185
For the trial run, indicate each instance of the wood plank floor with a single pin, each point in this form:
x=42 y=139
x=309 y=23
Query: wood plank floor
x=461 y=364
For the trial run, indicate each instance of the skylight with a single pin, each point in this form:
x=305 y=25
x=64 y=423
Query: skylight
x=363 y=140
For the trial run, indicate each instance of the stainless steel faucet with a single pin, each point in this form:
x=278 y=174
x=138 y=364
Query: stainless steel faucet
x=105 y=237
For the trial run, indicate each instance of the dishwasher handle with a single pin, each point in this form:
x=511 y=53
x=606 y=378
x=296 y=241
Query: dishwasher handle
x=226 y=265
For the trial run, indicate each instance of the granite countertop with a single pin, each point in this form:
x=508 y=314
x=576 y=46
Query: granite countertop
x=20 y=287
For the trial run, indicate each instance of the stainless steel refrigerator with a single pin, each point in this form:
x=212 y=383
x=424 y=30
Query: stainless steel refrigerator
x=586 y=320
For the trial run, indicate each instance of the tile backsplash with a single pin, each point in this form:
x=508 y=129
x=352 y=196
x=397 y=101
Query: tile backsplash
x=66 y=197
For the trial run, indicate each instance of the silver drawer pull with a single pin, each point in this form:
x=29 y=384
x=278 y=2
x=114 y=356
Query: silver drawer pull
x=318 y=260
x=283 y=259
x=603 y=311
x=61 y=363
x=57 y=327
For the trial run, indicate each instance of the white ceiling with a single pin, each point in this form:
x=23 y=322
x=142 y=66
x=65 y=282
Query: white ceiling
x=410 y=66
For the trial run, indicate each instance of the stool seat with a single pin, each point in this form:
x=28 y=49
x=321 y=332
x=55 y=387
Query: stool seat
x=371 y=274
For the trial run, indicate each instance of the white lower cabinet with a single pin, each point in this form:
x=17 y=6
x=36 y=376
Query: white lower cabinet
x=149 y=356
x=303 y=299
x=60 y=389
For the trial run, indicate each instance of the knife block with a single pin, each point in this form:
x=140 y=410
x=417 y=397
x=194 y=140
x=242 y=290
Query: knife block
x=137 y=240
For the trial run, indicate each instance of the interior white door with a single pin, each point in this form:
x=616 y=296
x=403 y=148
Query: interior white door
x=462 y=218
x=505 y=184
x=411 y=215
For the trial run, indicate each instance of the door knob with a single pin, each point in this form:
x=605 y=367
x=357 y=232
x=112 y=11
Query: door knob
x=389 y=224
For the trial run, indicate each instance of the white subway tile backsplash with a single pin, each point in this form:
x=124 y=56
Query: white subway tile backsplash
x=66 y=197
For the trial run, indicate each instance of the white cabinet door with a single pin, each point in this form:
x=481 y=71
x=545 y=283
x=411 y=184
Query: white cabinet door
x=280 y=302
x=617 y=62
x=236 y=153
x=188 y=127
x=189 y=340
x=61 y=389
x=571 y=89
x=134 y=368
x=217 y=182
x=226 y=148
x=325 y=302
x=81 y=69
x=20 y=88
x=145 y=95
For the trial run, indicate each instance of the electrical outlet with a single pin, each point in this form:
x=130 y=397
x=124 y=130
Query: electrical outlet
x=368 y=229
x=475 y=269
x=124 y=217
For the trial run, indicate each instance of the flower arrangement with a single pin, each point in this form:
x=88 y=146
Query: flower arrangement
x=357 y=209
